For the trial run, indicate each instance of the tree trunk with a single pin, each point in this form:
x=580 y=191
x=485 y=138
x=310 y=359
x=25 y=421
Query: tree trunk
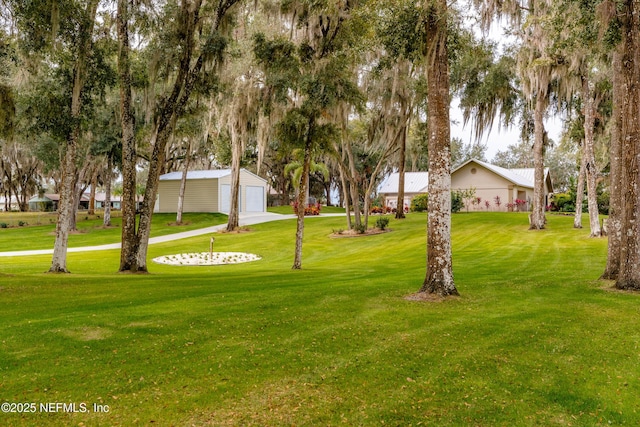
x=302 y=191
x=128 y=198
x=183 y=183
x=577 y=218
x=81 y=177
x=327 y=190
x=615 y=163
x=537 y=216
x=171 y=107
x=439 y=277
x=69 y=171
x=77 y=197
x=156 y=164
x=92 y=193
x=106 y=221
x=353 y=187
x=236 y=155
x=344 y=184
x=590 y=159
x=629 y=274
x=401 y=173
x=65 y=206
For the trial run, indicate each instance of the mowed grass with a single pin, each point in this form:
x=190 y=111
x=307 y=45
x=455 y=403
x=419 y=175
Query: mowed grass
x=39 y=231
x=534 y=340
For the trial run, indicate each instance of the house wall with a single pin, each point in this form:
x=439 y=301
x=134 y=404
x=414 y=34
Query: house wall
x=200 y=195
x=391 y=200
x=488 y=186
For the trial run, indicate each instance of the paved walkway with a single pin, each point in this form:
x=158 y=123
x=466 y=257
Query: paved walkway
x=244 y=219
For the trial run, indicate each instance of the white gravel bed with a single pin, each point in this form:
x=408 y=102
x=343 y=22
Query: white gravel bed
x=204 y=258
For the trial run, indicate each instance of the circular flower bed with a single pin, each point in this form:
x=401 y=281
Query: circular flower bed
x=206 y=258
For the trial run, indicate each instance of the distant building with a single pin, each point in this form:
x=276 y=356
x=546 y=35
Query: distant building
x=10 y=204
x=210 y=191
x=48 y=202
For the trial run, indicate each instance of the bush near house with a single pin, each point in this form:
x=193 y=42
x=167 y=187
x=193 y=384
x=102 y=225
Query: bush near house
x=457 y=202
x=563 y=202
x=419 y=203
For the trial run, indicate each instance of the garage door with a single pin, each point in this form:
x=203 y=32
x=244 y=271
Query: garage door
x=255 y=198
x=225 y=198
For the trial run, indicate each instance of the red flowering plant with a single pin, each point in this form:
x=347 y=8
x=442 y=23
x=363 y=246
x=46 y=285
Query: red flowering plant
x=521 y=204
x=311 y=209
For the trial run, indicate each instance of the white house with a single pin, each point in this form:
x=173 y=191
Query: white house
x=498 y=186
x=210 y=191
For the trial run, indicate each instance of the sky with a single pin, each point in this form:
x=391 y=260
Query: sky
x=499 y=138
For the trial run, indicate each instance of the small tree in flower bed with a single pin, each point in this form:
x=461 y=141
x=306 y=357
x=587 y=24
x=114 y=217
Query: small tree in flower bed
x=311 y=209
x=497 y=201
x=521 y=204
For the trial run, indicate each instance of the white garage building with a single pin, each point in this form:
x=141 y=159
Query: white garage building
x=210 y=191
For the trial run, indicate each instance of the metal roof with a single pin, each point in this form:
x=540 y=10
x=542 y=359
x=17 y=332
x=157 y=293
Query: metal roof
x=414 y=182
x=206 y=174
x=523 y=177
x=417 y=182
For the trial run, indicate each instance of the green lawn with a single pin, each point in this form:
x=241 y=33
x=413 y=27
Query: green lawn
x=534 y=339
x=39 y=231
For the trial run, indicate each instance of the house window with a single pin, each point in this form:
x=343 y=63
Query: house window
x=473 y=171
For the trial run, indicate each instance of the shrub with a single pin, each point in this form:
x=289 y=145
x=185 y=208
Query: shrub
x=312 y=209
x=419 y=203
x=3 y=225
x=382 y=222
x=360 y=229
x=457 y=203
x=563 y=202
x=603 y=203
x=21 y=223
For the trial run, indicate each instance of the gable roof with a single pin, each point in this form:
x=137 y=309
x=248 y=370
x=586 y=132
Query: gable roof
x=523 y=177
x=417 y=182
x=206 y=174
x=414 y=182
